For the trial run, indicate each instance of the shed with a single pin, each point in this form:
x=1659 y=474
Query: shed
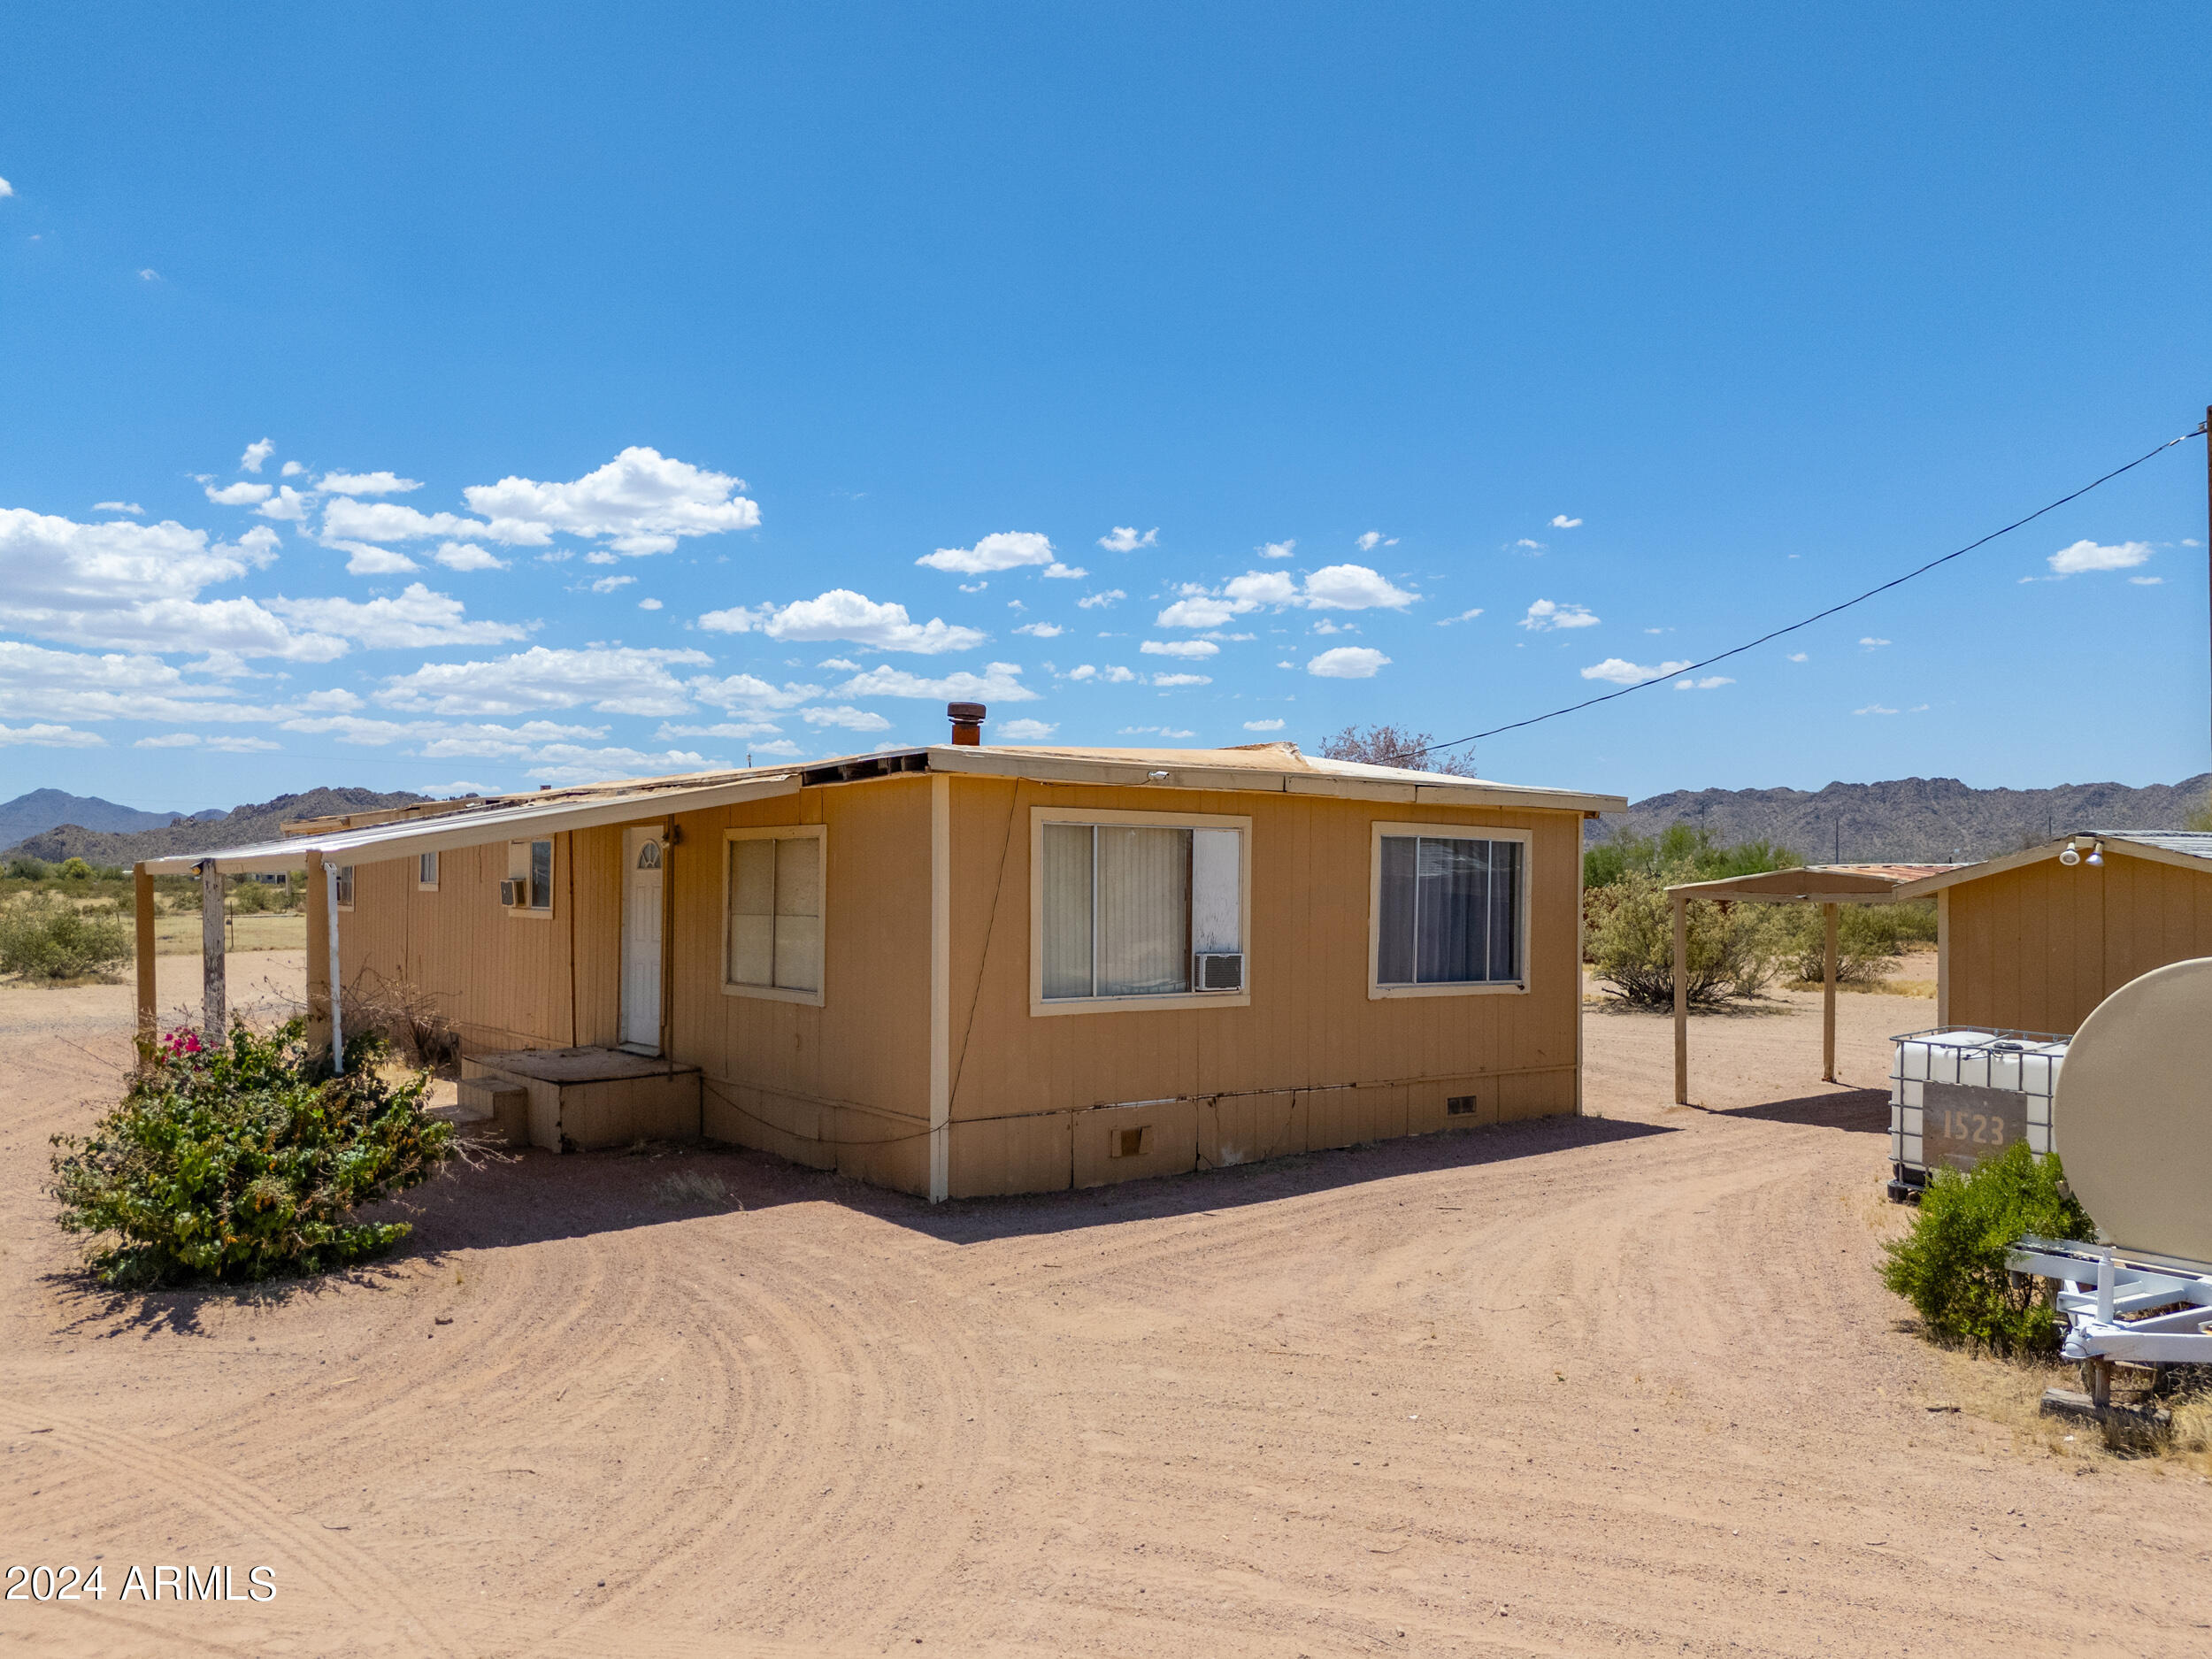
x=969 y=969
x=2035 y=940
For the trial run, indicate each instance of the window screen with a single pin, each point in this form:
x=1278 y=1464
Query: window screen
x=1450 y=911
x=427 y=870
x=1125 y=905
x=775 y=923
x=541 y=875
x=344 y=884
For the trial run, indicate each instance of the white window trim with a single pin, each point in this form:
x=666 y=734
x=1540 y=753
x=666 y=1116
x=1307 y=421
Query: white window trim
x=431 y=885
x=530 y=912
x=351 y=885
x=1040 y=816
x=1377 y=991
x=776 y=832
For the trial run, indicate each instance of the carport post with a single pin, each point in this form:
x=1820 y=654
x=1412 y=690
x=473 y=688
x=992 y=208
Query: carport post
x=143 y=908
x=1681 y=1001
x=214 y=1025
x=1828 y=995
x=319 y=913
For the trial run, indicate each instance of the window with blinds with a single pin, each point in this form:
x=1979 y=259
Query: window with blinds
x=774 y=940
x=1448 y=911
x=1127 y=908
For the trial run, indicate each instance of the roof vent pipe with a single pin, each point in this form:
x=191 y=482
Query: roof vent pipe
x=967 y=723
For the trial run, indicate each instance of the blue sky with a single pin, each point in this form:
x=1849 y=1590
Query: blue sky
x=644 y=389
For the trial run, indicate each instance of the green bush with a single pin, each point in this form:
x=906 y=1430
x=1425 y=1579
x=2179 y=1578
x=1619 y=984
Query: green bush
x=243 y=1163
x=26 y=868
x=74 y=870
x=1728 y=953
x=1680 y=853
x=43 y=937
x=1951 y=1266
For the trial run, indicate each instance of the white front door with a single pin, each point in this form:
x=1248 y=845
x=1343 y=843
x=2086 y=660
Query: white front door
x=643 y=856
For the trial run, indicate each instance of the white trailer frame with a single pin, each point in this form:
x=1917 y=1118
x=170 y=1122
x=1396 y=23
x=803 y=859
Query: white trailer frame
x=2097 y=1285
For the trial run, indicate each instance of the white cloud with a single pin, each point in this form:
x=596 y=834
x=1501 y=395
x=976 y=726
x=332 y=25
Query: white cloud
x=997 y=684
x=1524 y=545
x=1055 y=571
x=1560 y=521
x=47 y=685
x=173 y=739
x=1620 y=672
x=2146 y=581
x=1281 y=550
x=365 y=483
x=1333 y=586
x=1326 y=626
x=1006 y=550
x=1871 y=644
x=1180 y=647
x=346 y=519
x=1544 y=614
x=642 y=501
x=287 y=506
x=746 y=730
x=118 y=506
x=1114 y=676
x=257 y=452
x=290 y=469
x=1262 y=726
x=222 y=745
x=1464 y=616
x=1799 y=657
x=6 y=190
x=1097 y=602
x=43 y=736
x=976 y=588
x=843 y=614
x=1027 y=731
x=844 y=665
x=1149 y=731
x=373 y=561
x=1041 y=630
x=466 y=556
x=146 y=274
x=1169 y=681
x=1874 y=708
x=1125 y=539
x=1374 y=539
x=1347 y=662
x=418 y=617
x=649 y=604
x=238 y=494
x=566 y=762
x=1711 y=682
x=850 y=718
x=608 y=584
x=132 y=586
x=747 y=693
x=612 y=679
x=2088 y=556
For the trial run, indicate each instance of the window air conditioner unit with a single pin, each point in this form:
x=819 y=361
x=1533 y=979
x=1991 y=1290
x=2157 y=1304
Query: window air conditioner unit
x=1218 y=971
x=515 y=890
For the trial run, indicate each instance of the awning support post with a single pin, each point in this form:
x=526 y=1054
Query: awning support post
x=1828 y=995
x=322 y=916
x=142 y=909
x=1681 y=1000
x=214 y=1022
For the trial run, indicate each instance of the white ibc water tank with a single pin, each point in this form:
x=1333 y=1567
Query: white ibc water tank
x=2132 y=1115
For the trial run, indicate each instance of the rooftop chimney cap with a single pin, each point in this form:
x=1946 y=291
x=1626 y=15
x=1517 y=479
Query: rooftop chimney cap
x=965 y=713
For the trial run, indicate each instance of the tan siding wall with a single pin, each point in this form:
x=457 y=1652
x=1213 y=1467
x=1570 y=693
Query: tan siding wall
x=2036 y=948
x=1309 y=1030
x=844 y=1086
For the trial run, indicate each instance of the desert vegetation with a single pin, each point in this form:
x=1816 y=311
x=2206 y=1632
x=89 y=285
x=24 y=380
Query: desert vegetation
x=1396 y=746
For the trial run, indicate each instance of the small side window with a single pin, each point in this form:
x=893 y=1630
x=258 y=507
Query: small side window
x=426 y=871
x=345 y=887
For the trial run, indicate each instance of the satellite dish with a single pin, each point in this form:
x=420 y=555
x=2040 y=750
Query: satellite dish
x=2133 y=1116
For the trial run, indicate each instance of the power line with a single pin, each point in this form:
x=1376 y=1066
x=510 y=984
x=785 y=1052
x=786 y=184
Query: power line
x=1820 y=616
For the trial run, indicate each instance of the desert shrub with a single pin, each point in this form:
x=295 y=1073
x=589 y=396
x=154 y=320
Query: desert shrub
x=74 y=870
x=243 y=1161
x=1730 y=952
x=43 y=937
x=26 y=868
x=411 y=1019
x=1951 y=1266
x=1681 y=852
x=1867 y=941
x=1386 y=745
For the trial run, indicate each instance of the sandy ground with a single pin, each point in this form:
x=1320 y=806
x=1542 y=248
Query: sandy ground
x=1626 y=1384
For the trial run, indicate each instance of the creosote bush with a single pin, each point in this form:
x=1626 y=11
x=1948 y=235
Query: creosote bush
x=241 y=1162
x=46 y=937
x=1869 y=938
x=1951 y=1266
x=1728 y=953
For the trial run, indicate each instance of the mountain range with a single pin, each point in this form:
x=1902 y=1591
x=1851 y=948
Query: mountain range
x=1908 y=820
x=44 y=808
x=240 y=827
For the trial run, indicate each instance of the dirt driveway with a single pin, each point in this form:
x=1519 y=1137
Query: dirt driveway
x=1621 y=1384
